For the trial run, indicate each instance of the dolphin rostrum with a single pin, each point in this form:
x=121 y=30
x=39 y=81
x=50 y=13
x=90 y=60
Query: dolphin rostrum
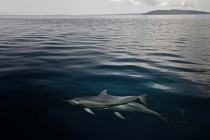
x=134 y=107
x=104 y=100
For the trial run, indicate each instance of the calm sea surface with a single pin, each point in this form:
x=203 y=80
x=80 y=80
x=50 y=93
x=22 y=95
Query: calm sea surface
x=47 y=59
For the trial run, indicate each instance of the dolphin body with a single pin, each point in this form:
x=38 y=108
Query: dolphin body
x=114 y=103
x=134 y=107
x=104 y=100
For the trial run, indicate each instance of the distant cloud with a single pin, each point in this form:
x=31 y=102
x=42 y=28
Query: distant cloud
x=134 y=2
x=183 y=3
x=151 y=2
x=118 y=1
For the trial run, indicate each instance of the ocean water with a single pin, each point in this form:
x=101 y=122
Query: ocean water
x=47 y=59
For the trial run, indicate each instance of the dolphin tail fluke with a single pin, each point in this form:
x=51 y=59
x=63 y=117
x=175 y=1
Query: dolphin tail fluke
x=143 y=98
x=164 y=118
x=183 y=119
x=182 y=115
x=119 y=115
x=89 y=110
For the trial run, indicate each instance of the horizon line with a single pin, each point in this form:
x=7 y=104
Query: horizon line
x=4 y=14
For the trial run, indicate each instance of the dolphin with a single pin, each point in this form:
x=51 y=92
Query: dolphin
x=134 y=107
x=104 y=100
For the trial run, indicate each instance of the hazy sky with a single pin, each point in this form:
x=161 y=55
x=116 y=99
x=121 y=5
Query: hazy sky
x=72 y=7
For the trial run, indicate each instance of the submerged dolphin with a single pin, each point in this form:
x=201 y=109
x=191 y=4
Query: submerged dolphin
x=104 y=100
x=134 y=107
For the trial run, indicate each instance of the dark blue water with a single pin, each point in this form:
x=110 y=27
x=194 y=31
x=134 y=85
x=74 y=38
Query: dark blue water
x=47 y=59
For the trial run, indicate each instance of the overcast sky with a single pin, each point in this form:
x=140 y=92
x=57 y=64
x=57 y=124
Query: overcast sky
x=83 y=7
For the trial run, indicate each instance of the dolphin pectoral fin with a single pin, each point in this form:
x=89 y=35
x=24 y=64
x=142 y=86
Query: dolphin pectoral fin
x=103 y=93
x=89 y=111
x=119 y=115
x=143 y=98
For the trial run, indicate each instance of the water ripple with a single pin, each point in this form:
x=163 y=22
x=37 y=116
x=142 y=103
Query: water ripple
x=109 y=50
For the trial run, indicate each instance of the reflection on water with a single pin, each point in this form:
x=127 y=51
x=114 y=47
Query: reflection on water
x=46 y=59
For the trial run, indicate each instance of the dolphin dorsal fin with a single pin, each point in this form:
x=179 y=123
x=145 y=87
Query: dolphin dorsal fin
x=103 y=93
x=143 y=98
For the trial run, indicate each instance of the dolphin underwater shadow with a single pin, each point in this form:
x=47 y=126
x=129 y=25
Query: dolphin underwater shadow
x=114 y=103
x=135 y=107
